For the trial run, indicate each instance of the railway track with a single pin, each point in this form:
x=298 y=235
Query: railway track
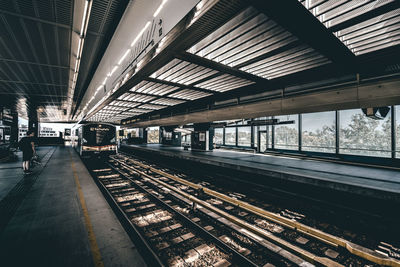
x=283 y=230
x=174 y=233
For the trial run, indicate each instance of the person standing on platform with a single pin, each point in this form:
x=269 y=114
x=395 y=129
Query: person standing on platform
x=27 y=145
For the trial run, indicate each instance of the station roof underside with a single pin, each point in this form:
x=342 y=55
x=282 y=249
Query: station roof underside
x=244 y=48
x=221 y=53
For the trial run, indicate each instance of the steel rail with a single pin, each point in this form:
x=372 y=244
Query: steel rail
x=236 y=255
x=353 y=248
x=308 y=256
x=133 y=232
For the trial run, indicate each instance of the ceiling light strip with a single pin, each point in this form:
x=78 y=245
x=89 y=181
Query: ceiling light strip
x=124 y=56
x=159 y=8
x=84 y=26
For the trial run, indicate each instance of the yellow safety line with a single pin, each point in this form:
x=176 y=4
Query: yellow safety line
x=94 y=248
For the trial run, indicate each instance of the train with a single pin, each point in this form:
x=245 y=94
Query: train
x=96 y=139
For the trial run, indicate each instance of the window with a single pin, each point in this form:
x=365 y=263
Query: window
x=397 y=123
x=218 y=136
x=153 y=135
x=167 y=135
x=230 y=136
x=318 y=132
x=186 y=139
x=244 y=136
x=287 y=135
x=360 y=135
x=255 y=131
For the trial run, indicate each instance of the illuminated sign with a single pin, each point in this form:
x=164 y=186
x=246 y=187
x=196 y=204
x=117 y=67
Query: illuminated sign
x=99 y=129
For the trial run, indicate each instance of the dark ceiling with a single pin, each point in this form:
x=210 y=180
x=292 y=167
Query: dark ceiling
x=35 y=49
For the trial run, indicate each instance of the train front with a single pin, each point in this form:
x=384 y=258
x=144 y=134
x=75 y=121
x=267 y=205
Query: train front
x=98 y=139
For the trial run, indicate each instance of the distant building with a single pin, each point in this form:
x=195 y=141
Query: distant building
x=22 y=129
x=47 y=132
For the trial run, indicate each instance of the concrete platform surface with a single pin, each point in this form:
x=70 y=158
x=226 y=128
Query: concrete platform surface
x=375 y=182
x=11 y=172
x=48 y=226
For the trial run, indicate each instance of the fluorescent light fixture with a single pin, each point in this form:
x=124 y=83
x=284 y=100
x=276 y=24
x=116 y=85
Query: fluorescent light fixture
x=105 y=80
x=76 y=65
x=139 y=63
x=79 y=48
x=140 y=33
x=200 y=5
x=124 y=56
x=113 y=70
x=84 y=16
x=159 y=8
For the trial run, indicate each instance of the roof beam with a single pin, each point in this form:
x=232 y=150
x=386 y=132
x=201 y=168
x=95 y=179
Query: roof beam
x=295 y=18
x=33 y=63
x=32 y=95
x=181 y=86
x=24 y=82
x=219 y=67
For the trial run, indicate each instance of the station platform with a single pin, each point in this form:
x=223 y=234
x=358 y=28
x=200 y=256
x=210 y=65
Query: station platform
x=57 y=216
x=379 y=183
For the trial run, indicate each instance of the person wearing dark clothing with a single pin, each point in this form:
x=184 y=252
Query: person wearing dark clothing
x=27 y=145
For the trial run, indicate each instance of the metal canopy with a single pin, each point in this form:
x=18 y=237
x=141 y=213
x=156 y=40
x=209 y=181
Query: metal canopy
x=36 y=45
x=228 y=49
x=363 y=26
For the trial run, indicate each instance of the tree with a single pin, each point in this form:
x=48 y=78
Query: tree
x=286 y=136
x=366 y=136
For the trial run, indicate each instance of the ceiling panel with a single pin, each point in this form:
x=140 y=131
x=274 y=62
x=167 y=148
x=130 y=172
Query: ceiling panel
x=152 y=88
x=113 y=108
x=182 y=72
x=224 y=83
x=167 y=101
x=246 y=36
x=248 y=41
x=373 y=34
x=188 y=94
x=35 y=47
x=152 y=106
x=290 y=61
x=139 y=110
x=136 y=97
x=124 y=103
x=379 y=29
